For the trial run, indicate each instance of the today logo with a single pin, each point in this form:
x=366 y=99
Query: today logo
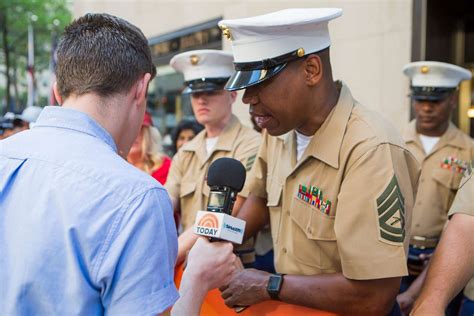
x=208 y=225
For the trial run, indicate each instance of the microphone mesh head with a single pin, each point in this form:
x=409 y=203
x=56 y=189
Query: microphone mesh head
x=226 y=172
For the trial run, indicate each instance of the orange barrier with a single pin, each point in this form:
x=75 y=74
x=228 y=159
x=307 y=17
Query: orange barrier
x=214 y=305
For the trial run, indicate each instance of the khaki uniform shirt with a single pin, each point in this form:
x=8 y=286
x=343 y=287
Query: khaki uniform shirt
x=441 y=172
x=464 y=203
x=346 y=205
x=188 y=173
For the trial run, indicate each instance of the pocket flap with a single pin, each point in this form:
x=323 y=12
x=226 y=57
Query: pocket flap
x=274 y=194
x=187 y=188
x=447 y=178
x=314 y=223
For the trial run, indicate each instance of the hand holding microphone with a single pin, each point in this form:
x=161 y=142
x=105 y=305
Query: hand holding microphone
x=226 y=178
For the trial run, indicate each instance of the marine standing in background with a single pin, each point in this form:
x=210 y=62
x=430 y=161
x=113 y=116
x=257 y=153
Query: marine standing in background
x=444 y=153
x=205 y=74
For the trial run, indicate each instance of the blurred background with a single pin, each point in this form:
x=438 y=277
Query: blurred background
x=371 y=43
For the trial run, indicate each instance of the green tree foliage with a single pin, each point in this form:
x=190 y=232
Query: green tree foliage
x=48 y=17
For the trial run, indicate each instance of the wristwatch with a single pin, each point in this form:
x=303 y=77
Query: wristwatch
x=274 y=285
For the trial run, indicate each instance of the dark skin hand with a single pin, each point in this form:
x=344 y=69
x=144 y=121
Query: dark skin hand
x=328 y=292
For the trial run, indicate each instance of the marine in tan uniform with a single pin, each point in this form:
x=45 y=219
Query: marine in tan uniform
x=333 y=178
x=444 y=153
x=206 y=72
x=453 y=263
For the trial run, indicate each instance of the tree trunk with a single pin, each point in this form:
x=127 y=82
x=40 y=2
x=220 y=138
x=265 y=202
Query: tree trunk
x=4 y=29
x=16 y=95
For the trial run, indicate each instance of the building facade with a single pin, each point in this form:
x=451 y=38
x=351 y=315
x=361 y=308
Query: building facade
x=371 y=43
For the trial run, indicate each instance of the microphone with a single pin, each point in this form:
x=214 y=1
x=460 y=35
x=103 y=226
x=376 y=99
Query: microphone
x=226 y=178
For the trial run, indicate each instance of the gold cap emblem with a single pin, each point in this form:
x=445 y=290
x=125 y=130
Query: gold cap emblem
x=300 y=52
x=194 y=59
x=425 y=69
x=226 y=32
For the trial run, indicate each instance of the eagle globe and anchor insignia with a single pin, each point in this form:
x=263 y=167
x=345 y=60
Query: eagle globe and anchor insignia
x=391 y=213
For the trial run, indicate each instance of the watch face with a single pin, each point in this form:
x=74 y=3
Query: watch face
x=274 y=283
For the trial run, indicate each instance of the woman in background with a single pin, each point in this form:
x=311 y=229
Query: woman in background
x=184 y=132
x=147 y=152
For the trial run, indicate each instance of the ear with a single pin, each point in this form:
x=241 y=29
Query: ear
x=453 y=100
x=313 y=70
x=233 y=96
x=142 y=88
x=57 y=96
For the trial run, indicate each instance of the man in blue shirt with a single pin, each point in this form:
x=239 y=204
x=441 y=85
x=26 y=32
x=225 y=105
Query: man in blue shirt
x=82 y=232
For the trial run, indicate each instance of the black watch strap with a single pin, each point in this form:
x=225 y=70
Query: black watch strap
x=274 y=285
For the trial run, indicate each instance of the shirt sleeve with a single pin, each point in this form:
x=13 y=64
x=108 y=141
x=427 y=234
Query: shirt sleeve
x=373 y=213
x=257 y=177
x=464 y=200
x=136 y=272
x=246 y=153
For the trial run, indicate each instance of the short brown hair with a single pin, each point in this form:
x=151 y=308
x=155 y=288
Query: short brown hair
x=103 y=54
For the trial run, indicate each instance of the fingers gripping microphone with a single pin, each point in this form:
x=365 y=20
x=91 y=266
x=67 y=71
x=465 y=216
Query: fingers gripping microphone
x=226 y=178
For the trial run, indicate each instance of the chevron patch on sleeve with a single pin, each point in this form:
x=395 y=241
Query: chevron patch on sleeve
x=391 y=213
x=250 y=161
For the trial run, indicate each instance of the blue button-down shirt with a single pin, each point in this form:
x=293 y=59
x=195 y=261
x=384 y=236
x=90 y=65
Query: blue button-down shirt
x=82 y=232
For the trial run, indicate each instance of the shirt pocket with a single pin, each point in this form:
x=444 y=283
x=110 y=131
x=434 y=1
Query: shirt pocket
x=313 y=241
x=448 y=182
x=187 y=188
x=188 y=210
x=447 y=178
x=274 y=192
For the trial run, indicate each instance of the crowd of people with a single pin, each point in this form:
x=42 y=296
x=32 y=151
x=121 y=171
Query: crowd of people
x=344 y=213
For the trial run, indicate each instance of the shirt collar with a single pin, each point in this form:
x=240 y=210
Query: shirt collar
x=449 y=138
x=59 y=117
x=327 y=141
x=225 y=141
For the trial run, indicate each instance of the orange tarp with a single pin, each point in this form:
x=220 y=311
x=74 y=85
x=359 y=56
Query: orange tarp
x=214 y=306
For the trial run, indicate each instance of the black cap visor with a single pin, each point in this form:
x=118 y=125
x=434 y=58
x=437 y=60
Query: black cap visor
x=204 y=85
x=246 y=78
x=250 y=73
x=430 y=93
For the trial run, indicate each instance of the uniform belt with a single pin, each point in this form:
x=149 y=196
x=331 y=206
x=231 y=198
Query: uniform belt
x=423 y=242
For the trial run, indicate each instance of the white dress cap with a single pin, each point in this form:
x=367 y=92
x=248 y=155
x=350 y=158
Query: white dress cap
x=433 y=80
x=278 y=33
x=31 y=113
x=435 y=74
x=204 y=70
x=206 y=63
x=268 y=42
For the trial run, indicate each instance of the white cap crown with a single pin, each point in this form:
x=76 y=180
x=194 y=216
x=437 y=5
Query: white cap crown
x=278 y=33
x=203 y=64
x=435 y=74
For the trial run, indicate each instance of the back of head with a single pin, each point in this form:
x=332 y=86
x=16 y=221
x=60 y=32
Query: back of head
x=101 y=54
